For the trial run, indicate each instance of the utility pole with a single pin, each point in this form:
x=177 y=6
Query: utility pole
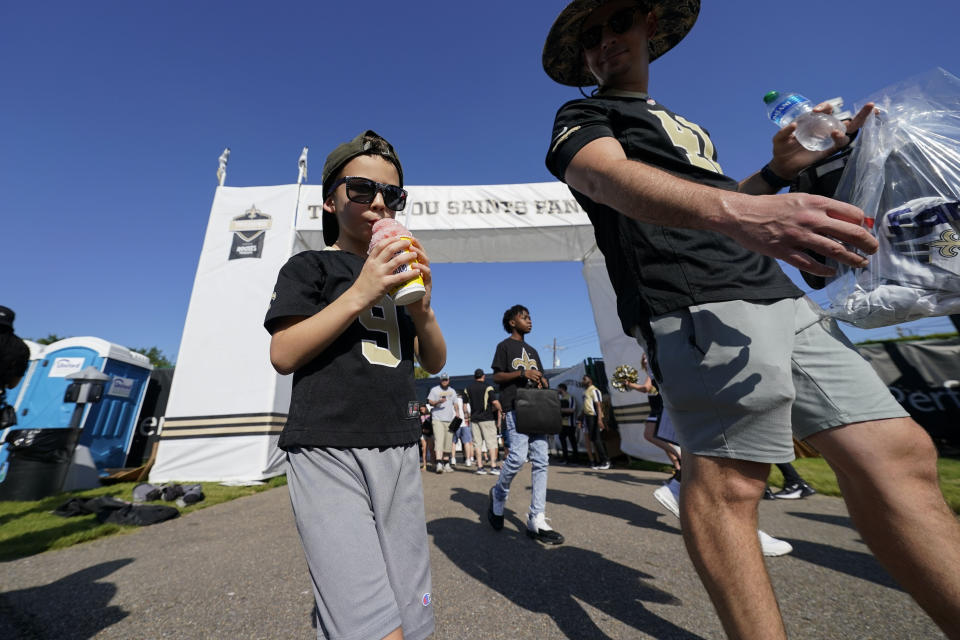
x=556 y=353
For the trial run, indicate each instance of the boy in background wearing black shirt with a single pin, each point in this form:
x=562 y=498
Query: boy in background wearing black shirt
x=517 y=364
x=353 y=464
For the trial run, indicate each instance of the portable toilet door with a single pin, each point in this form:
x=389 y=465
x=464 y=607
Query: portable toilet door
x=107 y=427
x=16 y=393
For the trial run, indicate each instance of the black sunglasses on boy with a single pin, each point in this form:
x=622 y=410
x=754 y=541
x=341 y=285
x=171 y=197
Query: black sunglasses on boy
x=619 y=22
x=364 y=190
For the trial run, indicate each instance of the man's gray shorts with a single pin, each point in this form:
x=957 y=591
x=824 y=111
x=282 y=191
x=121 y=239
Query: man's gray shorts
x=738 y=376
x=361 y=521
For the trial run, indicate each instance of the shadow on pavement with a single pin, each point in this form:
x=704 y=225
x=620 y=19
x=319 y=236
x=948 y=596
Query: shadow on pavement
x=552 y=580
x=631 y=512
x=73 y=608
x=840 y=521
x=854 y=563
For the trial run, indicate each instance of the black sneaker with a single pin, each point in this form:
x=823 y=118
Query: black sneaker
x=495 y=521
x=795 y=491
x=768 y=494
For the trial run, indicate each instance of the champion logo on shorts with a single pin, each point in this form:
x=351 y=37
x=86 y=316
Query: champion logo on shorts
x=425 y=599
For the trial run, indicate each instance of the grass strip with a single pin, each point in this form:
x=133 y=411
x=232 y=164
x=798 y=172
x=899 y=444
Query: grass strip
x=27 y=528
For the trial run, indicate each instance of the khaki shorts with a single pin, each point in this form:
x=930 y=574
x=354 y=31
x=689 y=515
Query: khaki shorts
x=740 y=378
x=484 y=431
x=442 y=438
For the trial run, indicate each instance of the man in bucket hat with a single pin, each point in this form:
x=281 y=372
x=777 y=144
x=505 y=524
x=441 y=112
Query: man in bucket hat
x=739 y=355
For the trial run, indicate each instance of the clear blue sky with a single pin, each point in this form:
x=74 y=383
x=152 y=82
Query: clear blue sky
x=113 y=115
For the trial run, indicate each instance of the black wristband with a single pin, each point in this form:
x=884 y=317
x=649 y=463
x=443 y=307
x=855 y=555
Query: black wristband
x=773 y=179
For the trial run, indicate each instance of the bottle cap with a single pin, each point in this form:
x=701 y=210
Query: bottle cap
x=770 y=96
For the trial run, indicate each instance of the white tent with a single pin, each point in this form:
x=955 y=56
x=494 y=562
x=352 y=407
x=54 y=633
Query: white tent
x=227 y=405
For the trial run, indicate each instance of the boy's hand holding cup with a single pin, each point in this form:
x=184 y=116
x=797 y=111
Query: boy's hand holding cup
x=412 y=290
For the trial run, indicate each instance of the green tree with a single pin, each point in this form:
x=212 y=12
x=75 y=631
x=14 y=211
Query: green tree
x=157 y=357
x=420 y=373
x=50 y=339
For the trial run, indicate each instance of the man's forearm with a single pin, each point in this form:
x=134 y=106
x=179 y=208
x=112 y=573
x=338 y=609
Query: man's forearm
x=780 y=226
x=640 y=191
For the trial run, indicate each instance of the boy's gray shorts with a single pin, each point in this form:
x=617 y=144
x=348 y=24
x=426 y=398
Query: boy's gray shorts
x=738 y=376
x=361 y=521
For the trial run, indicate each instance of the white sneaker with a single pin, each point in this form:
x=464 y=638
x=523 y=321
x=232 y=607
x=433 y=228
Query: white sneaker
x=665 y=496
x=494 y=471
x=447 y=468
x=439 y=468
x=674 y=487
x=538 y=529
x=481 y=471
x=469 y=462
x=604 y=466
x=773 y=547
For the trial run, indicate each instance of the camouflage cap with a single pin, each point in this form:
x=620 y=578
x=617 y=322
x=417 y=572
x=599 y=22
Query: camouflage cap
x=562 y=54
x=367 y=143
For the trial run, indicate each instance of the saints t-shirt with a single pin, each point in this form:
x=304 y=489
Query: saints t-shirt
x=514 y=355
x=359 y=391
x=480 y=395
x=657 y=269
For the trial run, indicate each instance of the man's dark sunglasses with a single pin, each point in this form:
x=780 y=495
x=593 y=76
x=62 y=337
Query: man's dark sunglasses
x=619 y=22
x=363 y=191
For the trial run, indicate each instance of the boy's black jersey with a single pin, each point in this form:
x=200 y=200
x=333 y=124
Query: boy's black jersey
x=514 y=355
x=359 y=392
x=656 y=269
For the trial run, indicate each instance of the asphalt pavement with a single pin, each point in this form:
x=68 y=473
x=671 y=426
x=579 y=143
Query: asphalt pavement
x=236 y=571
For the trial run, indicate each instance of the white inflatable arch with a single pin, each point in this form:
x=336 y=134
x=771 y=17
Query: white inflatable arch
x=227 y=405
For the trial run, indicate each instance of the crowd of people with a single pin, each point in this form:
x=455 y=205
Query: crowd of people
x=479 y=443
x=744 y=364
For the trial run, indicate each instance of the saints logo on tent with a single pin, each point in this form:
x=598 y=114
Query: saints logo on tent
x=249 y=230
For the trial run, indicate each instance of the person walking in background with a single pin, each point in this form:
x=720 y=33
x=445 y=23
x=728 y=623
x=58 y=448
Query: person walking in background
x=741 y=357
x=568 y=427
x=652 y=423
x=353 y=426
x=794 y=487
x=484 y=407
x=517 y=364
x=426 y=437
x=593 y=422
x=442 y=399
x=462 y=434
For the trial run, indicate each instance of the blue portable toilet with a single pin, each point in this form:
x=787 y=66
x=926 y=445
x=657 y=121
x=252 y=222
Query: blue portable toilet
x=107 y=427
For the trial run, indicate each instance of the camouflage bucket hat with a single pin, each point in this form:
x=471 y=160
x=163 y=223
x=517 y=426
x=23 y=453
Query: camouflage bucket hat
x=367 y=143
x=562 y=59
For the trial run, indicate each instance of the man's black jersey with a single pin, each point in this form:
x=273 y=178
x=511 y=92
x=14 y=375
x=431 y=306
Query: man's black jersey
x=480 y=395
x=359 y=392
x=657 y=269
x=514 y=355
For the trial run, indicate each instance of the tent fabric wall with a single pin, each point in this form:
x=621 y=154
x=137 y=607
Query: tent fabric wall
x=227 y=405
x=630 y=408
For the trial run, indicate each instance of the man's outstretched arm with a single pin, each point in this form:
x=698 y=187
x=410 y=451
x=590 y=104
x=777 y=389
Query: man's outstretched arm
x=779 y=226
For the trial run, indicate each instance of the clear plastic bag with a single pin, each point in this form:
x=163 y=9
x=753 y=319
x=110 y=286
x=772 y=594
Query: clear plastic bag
x=905 y=174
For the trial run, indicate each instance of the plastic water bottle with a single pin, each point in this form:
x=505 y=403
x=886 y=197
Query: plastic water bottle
x=813 y=128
